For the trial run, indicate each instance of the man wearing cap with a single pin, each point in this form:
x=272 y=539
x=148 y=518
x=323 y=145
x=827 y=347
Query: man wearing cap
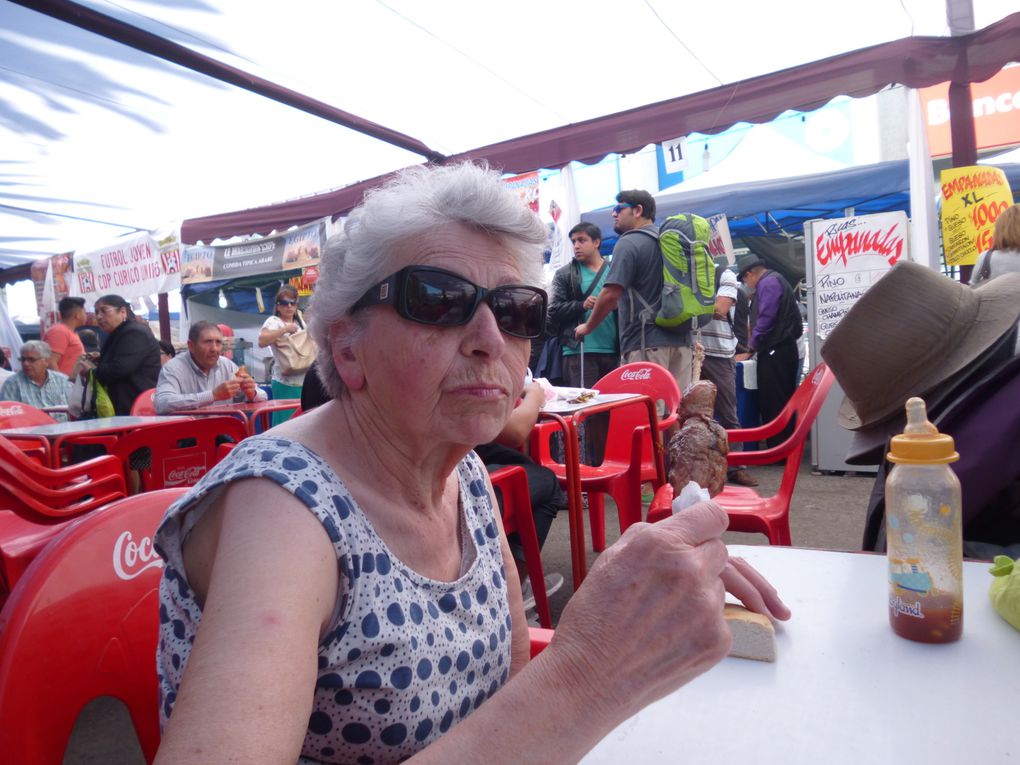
x=635 y=280
x=776 y=324
x=65 y=345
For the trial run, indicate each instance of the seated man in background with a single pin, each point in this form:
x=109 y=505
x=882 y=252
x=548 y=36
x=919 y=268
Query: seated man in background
x=36 y=384
x=203 y=375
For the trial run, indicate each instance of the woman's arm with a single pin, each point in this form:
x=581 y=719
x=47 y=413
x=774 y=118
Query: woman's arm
x=268 y=574
x=523 y=417
x=269 y=335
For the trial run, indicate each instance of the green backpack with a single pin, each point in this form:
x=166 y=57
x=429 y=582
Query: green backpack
x=688 y=272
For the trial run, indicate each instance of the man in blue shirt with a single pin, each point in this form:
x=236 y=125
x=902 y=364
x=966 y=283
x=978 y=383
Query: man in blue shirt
x=36 y=384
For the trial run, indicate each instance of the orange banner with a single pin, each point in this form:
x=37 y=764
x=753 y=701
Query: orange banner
x=996 y=112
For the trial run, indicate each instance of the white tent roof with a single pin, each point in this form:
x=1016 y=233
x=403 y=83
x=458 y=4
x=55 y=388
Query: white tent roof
x=101 y=139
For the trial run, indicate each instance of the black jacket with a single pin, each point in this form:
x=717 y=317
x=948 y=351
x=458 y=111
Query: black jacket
x=128 y=364
x=566 y=307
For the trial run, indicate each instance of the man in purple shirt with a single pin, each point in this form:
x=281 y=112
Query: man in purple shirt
x=776 y=325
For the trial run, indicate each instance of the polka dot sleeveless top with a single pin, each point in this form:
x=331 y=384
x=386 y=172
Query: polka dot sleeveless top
x=405 y=657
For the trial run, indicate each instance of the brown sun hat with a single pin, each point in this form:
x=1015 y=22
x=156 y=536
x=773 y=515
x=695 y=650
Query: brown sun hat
x=911 y=331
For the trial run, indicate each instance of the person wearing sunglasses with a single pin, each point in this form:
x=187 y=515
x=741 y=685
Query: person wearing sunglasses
x=634 y=284
x=339 y=589
x=286 y=320
x=35 y=383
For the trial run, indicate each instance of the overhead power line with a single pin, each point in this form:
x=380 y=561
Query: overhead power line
x=685 y=46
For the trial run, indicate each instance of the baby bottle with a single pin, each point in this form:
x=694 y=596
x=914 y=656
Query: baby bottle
x=924 y=533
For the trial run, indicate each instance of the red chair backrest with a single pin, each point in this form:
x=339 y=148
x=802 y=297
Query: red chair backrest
x=28 y=487
x=144 y=405
x=14 y=414
x=83 y=623
x=36 y=502
x=646 y=378
x=182 y=450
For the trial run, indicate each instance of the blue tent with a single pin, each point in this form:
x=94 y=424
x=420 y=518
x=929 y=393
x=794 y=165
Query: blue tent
x=784 y=204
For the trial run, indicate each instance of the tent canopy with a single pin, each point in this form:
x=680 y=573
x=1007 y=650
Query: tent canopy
x=784 y=204
x=105 y=139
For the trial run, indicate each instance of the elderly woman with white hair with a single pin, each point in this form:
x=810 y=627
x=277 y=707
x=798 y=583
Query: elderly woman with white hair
x=340 y=589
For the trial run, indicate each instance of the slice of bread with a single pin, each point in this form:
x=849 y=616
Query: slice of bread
x=754 y=637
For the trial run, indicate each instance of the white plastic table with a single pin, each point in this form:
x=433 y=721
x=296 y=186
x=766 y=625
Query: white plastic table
x=844 y=688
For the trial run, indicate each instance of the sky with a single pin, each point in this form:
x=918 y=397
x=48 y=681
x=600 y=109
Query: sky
x=94 y=130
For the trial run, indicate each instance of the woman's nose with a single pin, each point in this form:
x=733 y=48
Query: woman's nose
x=483 y=333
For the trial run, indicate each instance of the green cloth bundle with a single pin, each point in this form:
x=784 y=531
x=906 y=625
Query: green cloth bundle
x=1005 y=589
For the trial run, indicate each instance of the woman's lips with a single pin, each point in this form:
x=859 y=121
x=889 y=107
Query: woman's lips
x=480 y=390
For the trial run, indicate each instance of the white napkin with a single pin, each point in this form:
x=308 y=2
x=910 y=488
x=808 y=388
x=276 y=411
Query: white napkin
x=690 y=494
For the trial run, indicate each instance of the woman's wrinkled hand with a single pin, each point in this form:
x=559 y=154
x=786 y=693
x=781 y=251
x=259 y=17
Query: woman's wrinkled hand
x=753 y=590
x=648 y=618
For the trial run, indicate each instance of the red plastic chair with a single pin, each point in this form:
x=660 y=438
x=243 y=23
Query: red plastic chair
x=37 y=501
x=512 y=482
x=144 y=405
x=749 y=511
x=15 y=414
x=539 y=639
x=629 y=456
x=182 y=451
x=83 y=623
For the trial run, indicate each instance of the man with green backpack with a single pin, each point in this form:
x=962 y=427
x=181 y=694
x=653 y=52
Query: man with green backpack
x=660 y=280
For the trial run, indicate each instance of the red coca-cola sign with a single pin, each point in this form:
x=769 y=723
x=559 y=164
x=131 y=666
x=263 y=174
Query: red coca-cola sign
x=131 y=558
x=184 y=476
x=645 y=373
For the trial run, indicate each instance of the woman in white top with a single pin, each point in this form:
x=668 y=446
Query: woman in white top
x=286 y=320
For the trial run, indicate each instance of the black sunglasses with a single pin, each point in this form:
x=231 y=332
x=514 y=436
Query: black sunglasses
x=438 y=297
x=286 y=302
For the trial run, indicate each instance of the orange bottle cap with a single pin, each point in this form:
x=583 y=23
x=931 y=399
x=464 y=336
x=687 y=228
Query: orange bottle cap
x=921 y=443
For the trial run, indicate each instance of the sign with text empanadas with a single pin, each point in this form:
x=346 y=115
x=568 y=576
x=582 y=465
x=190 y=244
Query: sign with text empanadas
x=972 y=198
x=299 y=248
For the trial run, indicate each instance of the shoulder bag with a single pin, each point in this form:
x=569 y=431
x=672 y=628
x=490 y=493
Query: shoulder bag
x=294 y=353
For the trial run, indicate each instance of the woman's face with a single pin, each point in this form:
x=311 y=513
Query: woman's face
x=286 y=307
x=452 y=384
x=109 y=318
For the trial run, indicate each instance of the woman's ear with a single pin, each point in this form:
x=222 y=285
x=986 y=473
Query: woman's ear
x=343 y=345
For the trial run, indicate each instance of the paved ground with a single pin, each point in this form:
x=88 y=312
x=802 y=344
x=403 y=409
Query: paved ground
x=827 y=512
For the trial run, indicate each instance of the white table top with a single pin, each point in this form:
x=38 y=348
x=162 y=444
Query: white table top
x=844 y=687
x=123 y=422
x=562 y=406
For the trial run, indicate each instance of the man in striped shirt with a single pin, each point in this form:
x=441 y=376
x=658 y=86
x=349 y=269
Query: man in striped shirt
x=721 y=344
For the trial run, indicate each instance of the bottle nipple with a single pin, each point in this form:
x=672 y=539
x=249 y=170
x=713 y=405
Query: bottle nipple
x=917 y=417
x=921 y=443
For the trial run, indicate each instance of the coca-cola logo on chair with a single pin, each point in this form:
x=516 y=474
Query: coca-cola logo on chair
x=183 y=471
x=645 y=373
x=131 y=558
